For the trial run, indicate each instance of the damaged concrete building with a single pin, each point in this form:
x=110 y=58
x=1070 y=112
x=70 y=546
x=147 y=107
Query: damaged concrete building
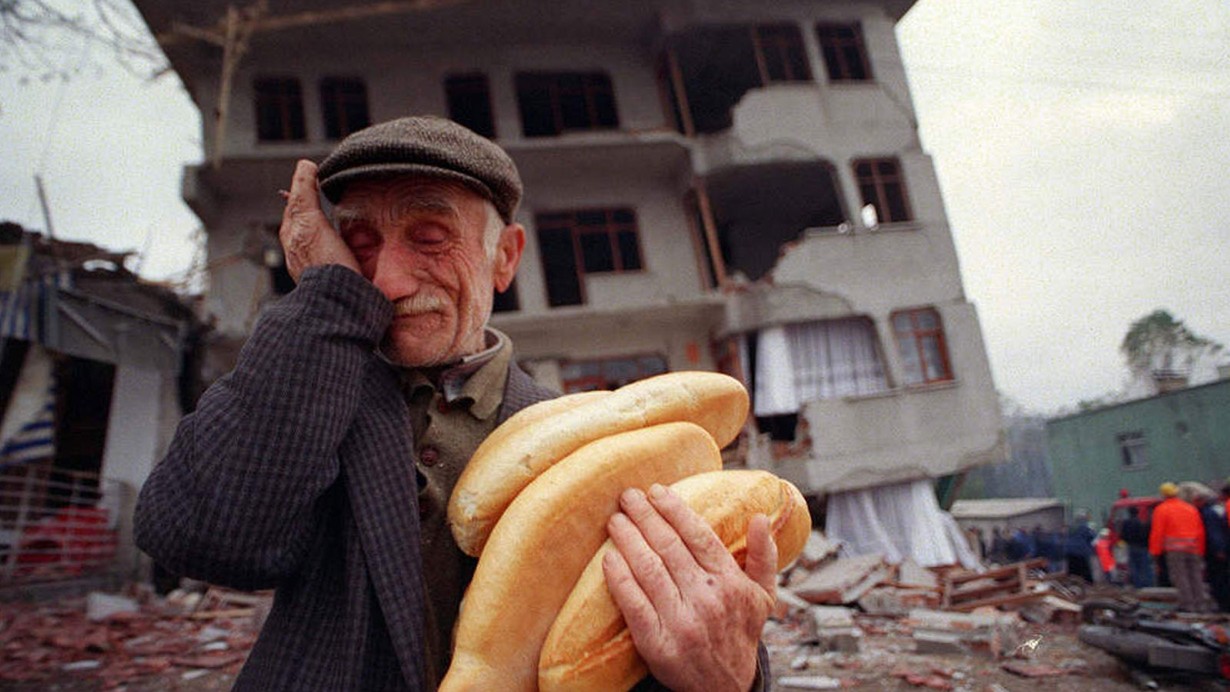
x=709 y=185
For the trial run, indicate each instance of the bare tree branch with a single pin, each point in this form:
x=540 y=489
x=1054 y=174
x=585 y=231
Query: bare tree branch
x=51 y=39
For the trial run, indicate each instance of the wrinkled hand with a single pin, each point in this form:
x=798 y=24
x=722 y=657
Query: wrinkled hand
x=308 y=238
x=694 y=615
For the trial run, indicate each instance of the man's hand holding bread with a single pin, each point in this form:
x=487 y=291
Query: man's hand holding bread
x=694 y=614
x=682 y=586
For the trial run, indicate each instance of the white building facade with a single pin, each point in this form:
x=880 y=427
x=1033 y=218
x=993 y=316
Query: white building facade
x=710 y=185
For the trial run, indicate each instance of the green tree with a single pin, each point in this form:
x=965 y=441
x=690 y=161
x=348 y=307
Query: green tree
x=1158 y=342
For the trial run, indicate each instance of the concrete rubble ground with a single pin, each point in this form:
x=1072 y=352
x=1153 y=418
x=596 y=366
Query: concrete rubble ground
x=841 y=622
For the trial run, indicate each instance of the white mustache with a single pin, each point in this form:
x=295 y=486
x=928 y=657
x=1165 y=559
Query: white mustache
x=418 y=304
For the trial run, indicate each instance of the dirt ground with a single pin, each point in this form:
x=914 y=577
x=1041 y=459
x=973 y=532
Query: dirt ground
x=169 y=646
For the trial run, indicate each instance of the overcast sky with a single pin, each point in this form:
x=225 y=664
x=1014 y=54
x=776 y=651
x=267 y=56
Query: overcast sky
x=1082 y=147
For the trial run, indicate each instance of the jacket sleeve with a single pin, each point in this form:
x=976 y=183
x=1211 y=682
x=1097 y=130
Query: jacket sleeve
x=1156 y=528
x=235 y=501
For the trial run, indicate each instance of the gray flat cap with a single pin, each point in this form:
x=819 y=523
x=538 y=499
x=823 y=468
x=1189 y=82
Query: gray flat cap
x=424 y=145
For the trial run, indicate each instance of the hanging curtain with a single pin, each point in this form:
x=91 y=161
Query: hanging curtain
x=816 y=360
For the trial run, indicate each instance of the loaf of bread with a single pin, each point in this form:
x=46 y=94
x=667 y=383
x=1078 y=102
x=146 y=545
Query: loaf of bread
x=516 y=453
x=543 y=541
x=588 y=646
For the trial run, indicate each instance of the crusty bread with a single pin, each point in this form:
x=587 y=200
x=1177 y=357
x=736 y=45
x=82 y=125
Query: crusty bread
x=543 y=540
x=588 y=646
x=511 y=458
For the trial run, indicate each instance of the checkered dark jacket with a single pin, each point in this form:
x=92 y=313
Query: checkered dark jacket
x=295 y=473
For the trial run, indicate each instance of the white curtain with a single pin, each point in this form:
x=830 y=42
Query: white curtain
x=897 y=521
x=815 y=360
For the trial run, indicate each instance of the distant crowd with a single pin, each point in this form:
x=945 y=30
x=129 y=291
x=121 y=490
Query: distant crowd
x=1180 y=541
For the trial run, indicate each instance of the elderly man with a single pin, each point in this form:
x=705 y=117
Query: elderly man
x=322 y=464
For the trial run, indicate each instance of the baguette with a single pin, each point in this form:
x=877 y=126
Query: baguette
x=509 y=459
x=543 y=541
x=588 y=646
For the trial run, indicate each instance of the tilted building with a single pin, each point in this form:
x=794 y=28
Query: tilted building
x=709 y=185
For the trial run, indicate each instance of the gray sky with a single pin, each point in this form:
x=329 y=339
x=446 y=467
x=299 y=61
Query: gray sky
x=1082 y=149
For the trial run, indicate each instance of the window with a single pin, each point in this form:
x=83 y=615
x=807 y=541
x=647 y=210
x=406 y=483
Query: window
x=1132 y=448
x=279 y=109
x=710 y=68
x=826 y=359
x=345 y=106
x=845 y=56
x=469 y=102
x=553 y=103
x=610 y=373
x=883 y=187
x=779 y=50
x=585 y=242
x=920 y=341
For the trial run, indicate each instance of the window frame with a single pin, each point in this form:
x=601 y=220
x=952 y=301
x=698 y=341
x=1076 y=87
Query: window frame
x=337 y=95
x=598 y=382
x=881 y=183
x=593 y=85
x=782 y=39
x=1133 y=450
x=917 y=336
x=569 y=221
x=840 y=72
x=284 y=95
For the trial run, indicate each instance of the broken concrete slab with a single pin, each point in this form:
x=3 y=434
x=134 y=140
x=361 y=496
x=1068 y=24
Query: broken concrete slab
x=809 y=682
x=912 y=574
x=844 y=580
x=894 y=601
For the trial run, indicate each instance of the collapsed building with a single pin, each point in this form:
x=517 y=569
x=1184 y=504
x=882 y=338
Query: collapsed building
x=92 y=371
x=709 y=185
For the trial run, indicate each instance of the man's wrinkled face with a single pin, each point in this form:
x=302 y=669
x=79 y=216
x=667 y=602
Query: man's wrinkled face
x=420 y=241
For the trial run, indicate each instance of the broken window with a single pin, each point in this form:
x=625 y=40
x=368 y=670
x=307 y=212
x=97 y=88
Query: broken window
x=609 y=373
x=1133 y=449
x=279 y=109
x=802 y=362
x=845 y=56
x=712 y=67
x=344 y=100
x=585 y=242
x=469 y=102
x=552 y=103
x=882 y=185
x=920 y=341
x=758 y=209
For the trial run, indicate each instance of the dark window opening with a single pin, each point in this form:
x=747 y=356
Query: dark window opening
x=553 y=103
x=469 y=102
x=589 y=241
x=845 y=55
x=609 y=373
x=279 y=109
x=882 y=185
x=759 y=209
x=921 y=344
x=718 y=65
x=345 y=106
x=780 y=428
x=1133 y=449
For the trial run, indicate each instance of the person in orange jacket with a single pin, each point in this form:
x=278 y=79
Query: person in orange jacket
x=1177 y=535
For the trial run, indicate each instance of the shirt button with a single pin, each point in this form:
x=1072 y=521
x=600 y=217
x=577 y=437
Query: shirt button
x=428 y=456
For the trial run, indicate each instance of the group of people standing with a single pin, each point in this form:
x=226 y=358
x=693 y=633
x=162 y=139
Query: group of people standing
x=1183 y=542
x=1188 y=536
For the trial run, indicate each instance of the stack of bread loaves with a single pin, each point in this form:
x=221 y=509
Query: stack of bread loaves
x=533 y=504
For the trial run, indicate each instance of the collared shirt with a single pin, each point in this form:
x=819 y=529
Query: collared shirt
x=451 y=412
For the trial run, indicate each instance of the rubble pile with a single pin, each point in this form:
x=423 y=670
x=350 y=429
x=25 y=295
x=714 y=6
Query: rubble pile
x=843 y=621
x=119 y=639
